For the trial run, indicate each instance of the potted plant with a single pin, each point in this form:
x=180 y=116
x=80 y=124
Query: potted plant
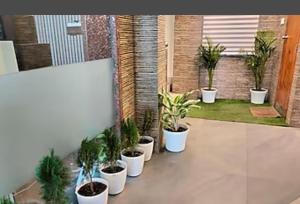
x=54 y=177
x=174 y=109
x=256 y=61
x=146 y=142
x=4 y=200
x=113 y=170
x=92 y=190
x=209 y=55
x=133 y=156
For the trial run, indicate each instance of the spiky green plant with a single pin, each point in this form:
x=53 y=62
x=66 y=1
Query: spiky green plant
x=5 y=200
x=256 y=60
x=209 y=55
x=88 y=155
x=129 y=134
x=175 y=108
x=111 y=148
x=54 y=177
x=148 y=121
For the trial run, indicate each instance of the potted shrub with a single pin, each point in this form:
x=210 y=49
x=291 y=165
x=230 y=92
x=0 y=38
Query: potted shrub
x=92 y=190
x=256 y=61
x=209 y=55
x=174 y=109
x=4 y=200
x=133 y=156
x=146 y=142
x=113 y=170
x=53 y=177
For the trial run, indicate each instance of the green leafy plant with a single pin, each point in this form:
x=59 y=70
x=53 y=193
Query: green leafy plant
x=54 y=177
x=5 y=200
x=256 y=61
x=130 y=134
x=209 y=55
x=111 y=148
x=148 y=121
x=175 y=108
x=88 y=156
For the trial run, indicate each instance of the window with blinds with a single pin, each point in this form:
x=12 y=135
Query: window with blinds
x=235 y=32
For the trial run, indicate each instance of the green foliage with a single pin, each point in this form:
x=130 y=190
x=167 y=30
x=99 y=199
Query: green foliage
x=129 y=134
x=53 y=176
x=111 y=148
x=148 y=121
x=263 y=49
x=209 y=55
x=4 y=200
x=175 y=108
x=88 y=156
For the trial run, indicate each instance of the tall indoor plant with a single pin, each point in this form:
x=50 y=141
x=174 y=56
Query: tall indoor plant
x=146 y=142
x=113 y=170
x=173 y=110
x=54 y=177
x=133 y=156
x=93 y=190
x=209 y=55
x=256 y=61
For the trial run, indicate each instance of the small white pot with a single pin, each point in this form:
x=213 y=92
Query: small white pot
x=258 y=97
x=116 y=180
x=175 y=141
x=208 y=96
x=97 y=199
x=147 y=148
x=135 y=165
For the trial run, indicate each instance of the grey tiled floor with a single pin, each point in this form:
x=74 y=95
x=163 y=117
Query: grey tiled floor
x=224 y=162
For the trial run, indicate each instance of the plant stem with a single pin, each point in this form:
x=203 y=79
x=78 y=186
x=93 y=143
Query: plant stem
x=91 y=183
x=210 y=78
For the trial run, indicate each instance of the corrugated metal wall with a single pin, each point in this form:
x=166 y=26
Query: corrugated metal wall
x=235 y=32
x=52 y=29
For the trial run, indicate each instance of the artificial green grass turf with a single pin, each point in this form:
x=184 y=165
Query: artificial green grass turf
x=232 y=110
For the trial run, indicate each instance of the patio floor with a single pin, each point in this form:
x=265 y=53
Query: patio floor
x=224 y=162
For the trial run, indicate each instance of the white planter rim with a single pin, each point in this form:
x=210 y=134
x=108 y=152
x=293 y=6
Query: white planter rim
x=206 y=89
x=181 y=125
x=120 y=164
x=95 y=180
x=148 y=138
x=256 y=91
x=136 y=149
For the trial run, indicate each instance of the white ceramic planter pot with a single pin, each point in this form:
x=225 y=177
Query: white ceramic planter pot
x=208 y=96
x=147 y=147
x=135 y=165
x=117 y=180
x=258 y=97
x=175 y=141
x=97 y=199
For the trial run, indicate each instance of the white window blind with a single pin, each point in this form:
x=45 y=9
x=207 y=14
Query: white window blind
x=235 y=32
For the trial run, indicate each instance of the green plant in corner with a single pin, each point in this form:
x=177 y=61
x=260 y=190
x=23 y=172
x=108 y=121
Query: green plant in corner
x=148 y=121
x=256 y=61
x=175 y=108
x=88 y=155
x=129 y=134
x=5 y=200
x=209 y=55
x=53 y=176
x=111 y=148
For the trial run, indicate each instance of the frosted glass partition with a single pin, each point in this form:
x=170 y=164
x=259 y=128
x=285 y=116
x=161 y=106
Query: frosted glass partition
x=54 y=107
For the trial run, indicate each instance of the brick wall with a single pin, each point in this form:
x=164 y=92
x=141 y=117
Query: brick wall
x=25 y=31
x=125 y=43
x=162 y=54
x=232 y=77
x=187 y=38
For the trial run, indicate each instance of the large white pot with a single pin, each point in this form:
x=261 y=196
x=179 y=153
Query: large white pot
x=116 y=180
x=97 y=199
x=208 y=96
x=258 y=97
x=175 y=141
x=135 y=165
x=147 y=148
